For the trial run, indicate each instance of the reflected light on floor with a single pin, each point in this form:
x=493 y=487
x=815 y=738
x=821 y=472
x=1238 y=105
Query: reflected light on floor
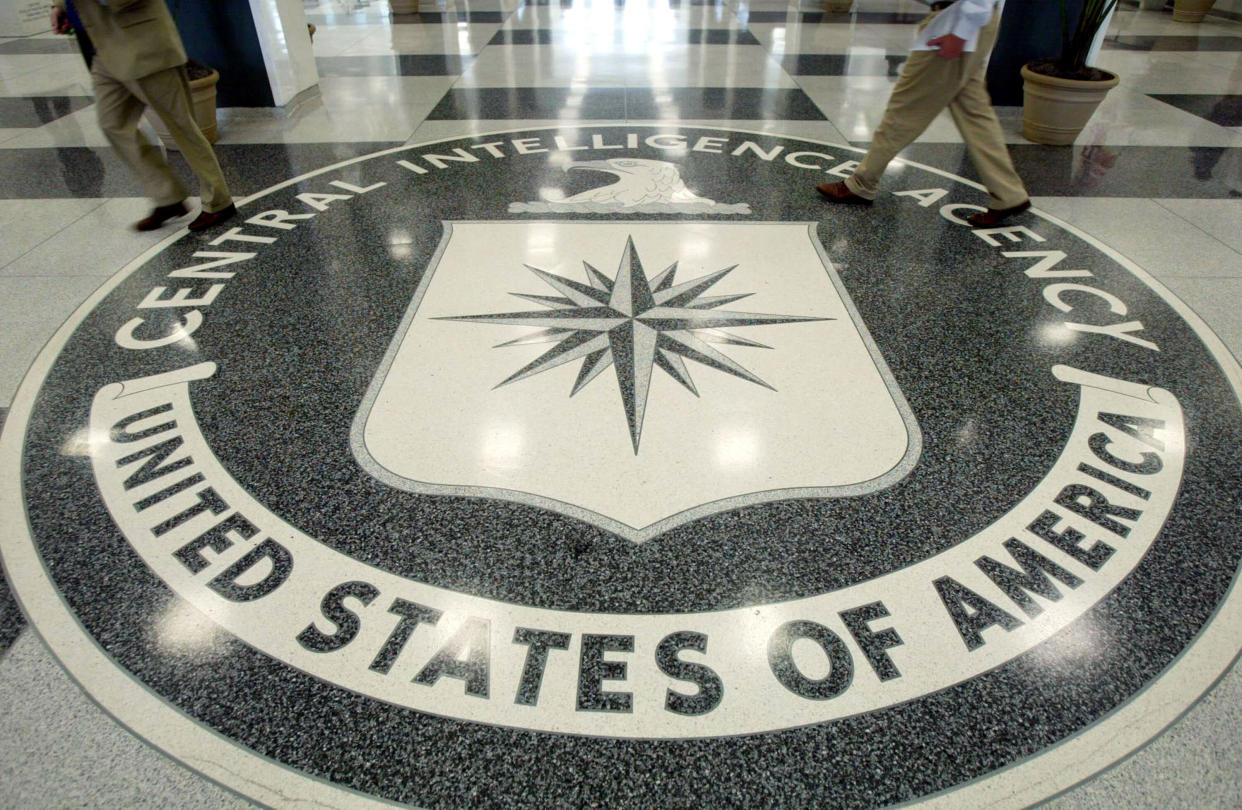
x=759 y=624
x=778 y=41
x=738 y=449
x=861 y=130
x=541 y=237
x=502 y=447
x=1055 y=334
x=1174 y=443
x=400 y=243
x=84 y=442
x=693 y=245
x=968 y=434
x=858 y=57
x=184 y=630
x=561 y=160
x=1075 y=649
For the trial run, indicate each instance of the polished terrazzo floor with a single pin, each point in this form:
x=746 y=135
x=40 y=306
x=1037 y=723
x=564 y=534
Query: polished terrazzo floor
x=1152 y=189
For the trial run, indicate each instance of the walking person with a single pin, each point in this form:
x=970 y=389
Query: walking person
x=945 y=69
x=139 y=62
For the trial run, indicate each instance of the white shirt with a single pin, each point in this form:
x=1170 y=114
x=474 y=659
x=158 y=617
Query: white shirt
x=962 y=19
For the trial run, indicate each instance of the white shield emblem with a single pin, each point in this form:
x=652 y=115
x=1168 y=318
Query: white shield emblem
x=634 y=374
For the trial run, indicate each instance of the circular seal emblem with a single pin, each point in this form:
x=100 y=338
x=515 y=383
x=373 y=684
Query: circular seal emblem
x=607 y=465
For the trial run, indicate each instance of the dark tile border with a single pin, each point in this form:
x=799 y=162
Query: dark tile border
x=597 y=103
x=86 y=172
x=694 y=36
x=1225 y=111
x=428 y=18
x=834 y=64
x=1173 y=43
x=435 y=18
x=844 y=18
x=32 y=45
x=621 y=103
x=393 y=65
x=18 y=112
x=720 y=36
x=1104 y=171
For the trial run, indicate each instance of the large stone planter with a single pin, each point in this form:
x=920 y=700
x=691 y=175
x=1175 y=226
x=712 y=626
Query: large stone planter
x=1191 y=10
x=1055 y=110
x=203 y=100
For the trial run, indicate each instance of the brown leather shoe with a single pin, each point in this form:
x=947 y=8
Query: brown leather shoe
x=161 y=214
x=995 y=216
x=205 y=220
x=840 y=193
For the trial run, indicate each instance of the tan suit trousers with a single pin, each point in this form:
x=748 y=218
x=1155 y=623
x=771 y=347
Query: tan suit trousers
x=927 y=85
x=120 y=105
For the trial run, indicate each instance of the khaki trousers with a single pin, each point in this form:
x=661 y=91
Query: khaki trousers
x=927 y=85
x=120 y=104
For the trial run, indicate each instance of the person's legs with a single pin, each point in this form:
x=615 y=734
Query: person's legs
x=118 y=111
x=975 y=118
x=927 y=84
x=168 y=93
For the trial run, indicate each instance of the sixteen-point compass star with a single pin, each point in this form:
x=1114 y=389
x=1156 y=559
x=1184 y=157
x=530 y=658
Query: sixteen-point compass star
x=633 y=324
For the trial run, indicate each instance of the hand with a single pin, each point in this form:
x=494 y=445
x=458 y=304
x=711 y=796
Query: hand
x=60 y=21
x=948 y=46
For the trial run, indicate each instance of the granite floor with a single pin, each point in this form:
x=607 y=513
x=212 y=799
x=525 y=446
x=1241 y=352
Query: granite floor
x=530 y=490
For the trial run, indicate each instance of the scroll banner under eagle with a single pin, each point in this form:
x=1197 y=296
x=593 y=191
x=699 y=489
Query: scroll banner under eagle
x=994 y=595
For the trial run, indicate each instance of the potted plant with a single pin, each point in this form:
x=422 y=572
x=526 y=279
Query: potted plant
x=1191 y=10
x=203 y=81
x=202 y=99
x=1061 y=94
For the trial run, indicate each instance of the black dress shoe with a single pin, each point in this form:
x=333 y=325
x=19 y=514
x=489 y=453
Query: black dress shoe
x=205 y=220
x=840 y=193
x=161 y=214
x=995 y=216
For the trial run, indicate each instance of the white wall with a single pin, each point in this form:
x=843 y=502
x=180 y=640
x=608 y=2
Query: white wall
x=286 y=45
